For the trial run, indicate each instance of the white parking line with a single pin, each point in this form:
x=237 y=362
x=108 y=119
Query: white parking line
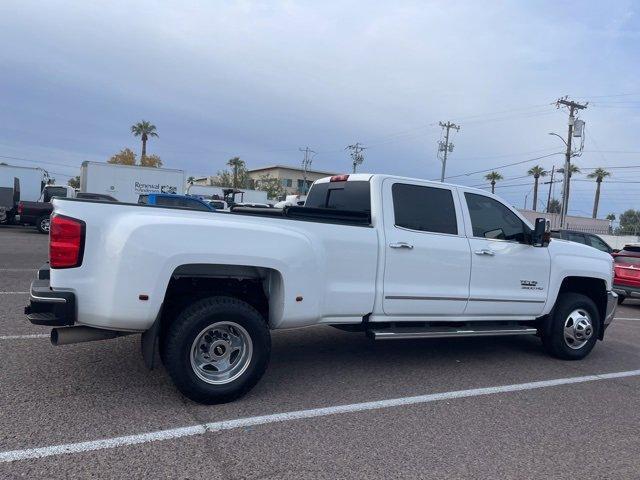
x=18 y=269
x=173 y=433
x=626 y=318
x=13 y=293
x=24 y=337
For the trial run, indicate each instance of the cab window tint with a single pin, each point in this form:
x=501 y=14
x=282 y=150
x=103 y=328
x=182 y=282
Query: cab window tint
x=424 y=208
x=492 y=219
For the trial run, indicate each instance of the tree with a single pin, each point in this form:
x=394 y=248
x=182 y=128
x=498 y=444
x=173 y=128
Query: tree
x=236 y=164
x=123 y=157
x=537 y=171
x=599 y=174
x=236 y=178
x=554 y=206
x=151 y=161
x=493 y=177
x=629 y=222
x=74 y=182
x=611 y=217
x=191 y=179
x=144 y=130
x=271 y=185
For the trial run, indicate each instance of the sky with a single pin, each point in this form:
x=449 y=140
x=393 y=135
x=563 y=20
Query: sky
x=262 y=79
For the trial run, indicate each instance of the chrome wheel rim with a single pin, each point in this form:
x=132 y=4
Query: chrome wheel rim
x=221 y=353
x=578 y=329
x=44 y=224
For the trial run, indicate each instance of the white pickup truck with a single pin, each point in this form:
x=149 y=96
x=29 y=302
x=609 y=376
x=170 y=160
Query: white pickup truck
x=392 y=257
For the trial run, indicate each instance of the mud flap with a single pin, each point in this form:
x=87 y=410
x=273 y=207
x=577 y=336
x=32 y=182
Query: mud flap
x=149 y=343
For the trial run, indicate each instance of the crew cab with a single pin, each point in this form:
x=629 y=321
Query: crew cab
x=392 y=257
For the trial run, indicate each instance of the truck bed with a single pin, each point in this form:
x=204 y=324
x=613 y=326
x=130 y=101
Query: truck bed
x=322 y=215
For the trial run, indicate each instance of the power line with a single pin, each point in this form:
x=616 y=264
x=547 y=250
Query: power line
x=39 y=161
x=504 y=166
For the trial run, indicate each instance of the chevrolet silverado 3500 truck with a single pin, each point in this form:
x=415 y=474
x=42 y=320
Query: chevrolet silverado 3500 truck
x=392 y=257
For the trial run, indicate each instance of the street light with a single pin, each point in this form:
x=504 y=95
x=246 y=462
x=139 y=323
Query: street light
x=563 y=140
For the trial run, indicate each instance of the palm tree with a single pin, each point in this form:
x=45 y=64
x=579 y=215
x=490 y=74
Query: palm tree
x=236 y=163
x=144 y=130
x=599 y=174
x=537 y=171
x=493 y=177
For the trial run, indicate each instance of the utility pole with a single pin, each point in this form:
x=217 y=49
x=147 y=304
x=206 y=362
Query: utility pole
x=553 y=169
x=305 y=166
x=445 y=146
x=573 y=106
x=356 y=154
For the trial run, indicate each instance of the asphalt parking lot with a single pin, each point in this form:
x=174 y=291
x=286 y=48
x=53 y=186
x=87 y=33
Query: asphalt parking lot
x=486 y=408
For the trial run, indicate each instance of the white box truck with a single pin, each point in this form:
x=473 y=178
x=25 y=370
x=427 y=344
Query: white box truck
x=32 y=180
x=126 y=182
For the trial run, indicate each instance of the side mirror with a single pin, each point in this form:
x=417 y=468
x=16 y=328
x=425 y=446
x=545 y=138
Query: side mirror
x=540 y=236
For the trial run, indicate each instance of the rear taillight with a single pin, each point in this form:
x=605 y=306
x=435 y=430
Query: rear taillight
x=20 y=208
x=66 y=242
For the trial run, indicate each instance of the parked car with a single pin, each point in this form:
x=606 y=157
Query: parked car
x=38 y=213
x=98 y=197
x=171 y=200
x=626 y=280
x=590 y=239
x=388 y=256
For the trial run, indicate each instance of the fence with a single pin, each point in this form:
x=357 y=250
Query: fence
x=581 y=224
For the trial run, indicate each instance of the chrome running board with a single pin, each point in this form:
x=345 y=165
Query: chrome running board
x=401 y=333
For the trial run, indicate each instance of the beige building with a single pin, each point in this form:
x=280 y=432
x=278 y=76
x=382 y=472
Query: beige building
x=291 y=178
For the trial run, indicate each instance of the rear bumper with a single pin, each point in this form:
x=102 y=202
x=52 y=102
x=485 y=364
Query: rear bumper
x=626 y=290
x=49 y=307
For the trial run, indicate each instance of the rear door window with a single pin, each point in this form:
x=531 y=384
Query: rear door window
x=427 y=209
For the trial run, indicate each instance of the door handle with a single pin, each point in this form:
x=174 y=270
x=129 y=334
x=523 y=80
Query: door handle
x=485 y=251
x=401 y=245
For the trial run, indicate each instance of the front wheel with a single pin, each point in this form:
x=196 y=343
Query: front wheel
x=621 y=299
x=43 y=224
x=217 y=349
x=573 y=327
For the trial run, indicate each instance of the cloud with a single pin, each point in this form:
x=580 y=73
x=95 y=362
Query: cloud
x=260 y=79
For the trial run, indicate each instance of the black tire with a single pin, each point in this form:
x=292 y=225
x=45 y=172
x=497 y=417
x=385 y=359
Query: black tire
x=189 y=323
x=554 y=338
x=43 y=224
x=621 y=298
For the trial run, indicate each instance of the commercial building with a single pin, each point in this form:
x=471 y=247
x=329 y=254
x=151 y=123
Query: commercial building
x=291 y=178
